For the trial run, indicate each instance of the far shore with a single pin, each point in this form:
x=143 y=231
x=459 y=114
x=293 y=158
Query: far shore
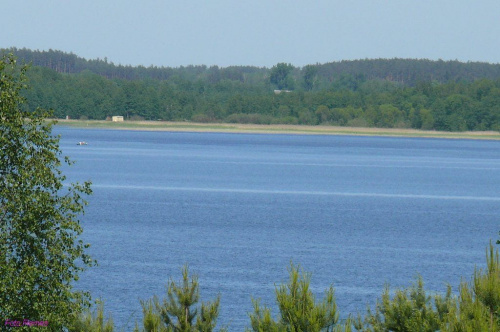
x=275 y=129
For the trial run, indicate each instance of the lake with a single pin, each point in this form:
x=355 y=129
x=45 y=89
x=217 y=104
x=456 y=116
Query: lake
x=356 y=212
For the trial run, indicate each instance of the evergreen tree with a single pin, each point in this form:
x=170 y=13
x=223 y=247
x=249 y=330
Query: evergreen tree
x=486 y=286
x=298 y=308
x=410 y=310
x=92 y=321
x=479 y=301
x=179 y=311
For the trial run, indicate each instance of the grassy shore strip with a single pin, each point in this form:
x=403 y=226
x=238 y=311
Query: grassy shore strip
x=278 y=129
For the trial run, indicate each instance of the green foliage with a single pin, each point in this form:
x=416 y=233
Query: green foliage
x=411 y=72
x=280 y=76
x=410 y=310
x=151 y=318
x=179 y=311
x=419 y=94
x=468 y=314
x=479 y=301
x=477 y=307
x=92 y=321
x=309 y=76
x=40 y=253
x=486 y=286
x=388 y=116
x=298 y=308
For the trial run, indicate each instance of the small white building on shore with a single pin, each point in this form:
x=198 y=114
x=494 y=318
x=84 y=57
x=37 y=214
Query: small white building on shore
x=117 y=118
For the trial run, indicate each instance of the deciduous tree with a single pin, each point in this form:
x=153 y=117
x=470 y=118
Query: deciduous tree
x=309 y=75
x=280 y=76
x=41 y=254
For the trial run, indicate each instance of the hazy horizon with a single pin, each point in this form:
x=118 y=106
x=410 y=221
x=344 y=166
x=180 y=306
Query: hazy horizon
x=110 y=61
x=255 y=33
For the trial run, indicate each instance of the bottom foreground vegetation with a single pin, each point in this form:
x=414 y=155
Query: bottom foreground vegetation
x=475 y=308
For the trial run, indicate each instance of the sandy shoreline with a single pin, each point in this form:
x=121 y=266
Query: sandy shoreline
x=274 y=129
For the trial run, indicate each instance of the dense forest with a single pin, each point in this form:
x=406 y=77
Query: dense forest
x=401 y=93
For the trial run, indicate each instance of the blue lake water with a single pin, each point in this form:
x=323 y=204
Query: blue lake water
x=358 y=212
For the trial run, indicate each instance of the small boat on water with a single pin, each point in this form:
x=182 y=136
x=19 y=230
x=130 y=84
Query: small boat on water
x=81 y=143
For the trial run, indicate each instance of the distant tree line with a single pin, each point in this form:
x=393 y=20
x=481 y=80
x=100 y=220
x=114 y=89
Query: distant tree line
x=401 y=93
x=406 y=71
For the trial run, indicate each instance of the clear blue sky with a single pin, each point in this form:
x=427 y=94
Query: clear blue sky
x=258 y=32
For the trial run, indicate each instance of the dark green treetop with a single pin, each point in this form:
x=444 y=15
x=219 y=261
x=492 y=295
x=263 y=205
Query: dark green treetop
x=280 y=76
x=309 y=75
